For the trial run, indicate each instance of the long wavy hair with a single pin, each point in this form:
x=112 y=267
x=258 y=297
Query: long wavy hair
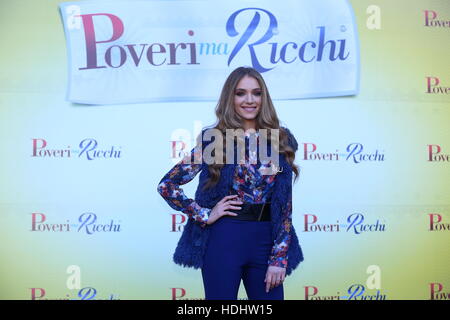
x=228 y=118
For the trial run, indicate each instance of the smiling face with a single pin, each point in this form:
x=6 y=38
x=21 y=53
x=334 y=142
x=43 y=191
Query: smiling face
x=247 y=100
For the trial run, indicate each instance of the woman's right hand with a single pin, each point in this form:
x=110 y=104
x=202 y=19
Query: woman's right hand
x=221 y=207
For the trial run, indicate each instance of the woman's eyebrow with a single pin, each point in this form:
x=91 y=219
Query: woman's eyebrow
x=244 y=89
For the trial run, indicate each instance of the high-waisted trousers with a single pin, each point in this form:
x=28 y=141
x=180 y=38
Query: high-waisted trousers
x=238 y=250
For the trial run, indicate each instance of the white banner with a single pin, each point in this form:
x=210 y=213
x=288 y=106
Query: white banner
x=143 y=51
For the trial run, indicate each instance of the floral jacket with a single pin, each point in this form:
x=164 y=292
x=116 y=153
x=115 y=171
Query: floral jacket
x=251 y=183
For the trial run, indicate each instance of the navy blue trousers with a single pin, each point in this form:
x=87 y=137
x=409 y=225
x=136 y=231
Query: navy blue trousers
x=238 y=250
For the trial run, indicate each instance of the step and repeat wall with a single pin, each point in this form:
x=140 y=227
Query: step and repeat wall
x=99 y=99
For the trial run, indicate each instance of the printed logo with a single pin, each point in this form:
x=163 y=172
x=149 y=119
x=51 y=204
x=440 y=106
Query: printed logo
x=180 y=294
x=178 y=222
x=354 y=152
x=432 y=19
x=437 y=292
x=116 y=54
x=88 y=224
x=434 y=86
x=355 y=292
x=355 y=223
x=87 y=293
x=436 y=223
x=88 y=149
x=435 y=155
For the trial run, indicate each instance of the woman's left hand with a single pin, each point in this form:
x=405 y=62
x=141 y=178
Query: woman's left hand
x=274 y=277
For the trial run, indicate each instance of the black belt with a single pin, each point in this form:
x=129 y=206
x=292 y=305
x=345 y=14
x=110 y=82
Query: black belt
x=252 y=212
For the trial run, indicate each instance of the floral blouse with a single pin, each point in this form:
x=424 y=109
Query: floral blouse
x=251 y=183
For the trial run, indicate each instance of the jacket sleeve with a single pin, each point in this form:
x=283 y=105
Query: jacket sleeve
x=278 y=257
x=169 y=187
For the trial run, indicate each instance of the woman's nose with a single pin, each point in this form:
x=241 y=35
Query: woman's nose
x=250 y=98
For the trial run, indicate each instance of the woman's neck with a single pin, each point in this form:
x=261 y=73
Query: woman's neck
x=249 y=126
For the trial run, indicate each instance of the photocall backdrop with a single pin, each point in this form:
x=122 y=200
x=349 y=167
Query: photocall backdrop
x=99 y=99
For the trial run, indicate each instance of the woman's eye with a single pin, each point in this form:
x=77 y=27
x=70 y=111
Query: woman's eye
x=240 y=94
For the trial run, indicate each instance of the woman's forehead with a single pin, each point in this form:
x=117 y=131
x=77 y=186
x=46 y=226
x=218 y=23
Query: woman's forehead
x=248 y=83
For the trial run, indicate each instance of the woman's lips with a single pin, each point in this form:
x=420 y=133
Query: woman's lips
x=249 y=109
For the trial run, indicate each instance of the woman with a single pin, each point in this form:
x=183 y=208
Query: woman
x=240 y=223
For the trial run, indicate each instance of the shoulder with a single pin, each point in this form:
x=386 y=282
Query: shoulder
x=291 y=139
x=202 y=138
